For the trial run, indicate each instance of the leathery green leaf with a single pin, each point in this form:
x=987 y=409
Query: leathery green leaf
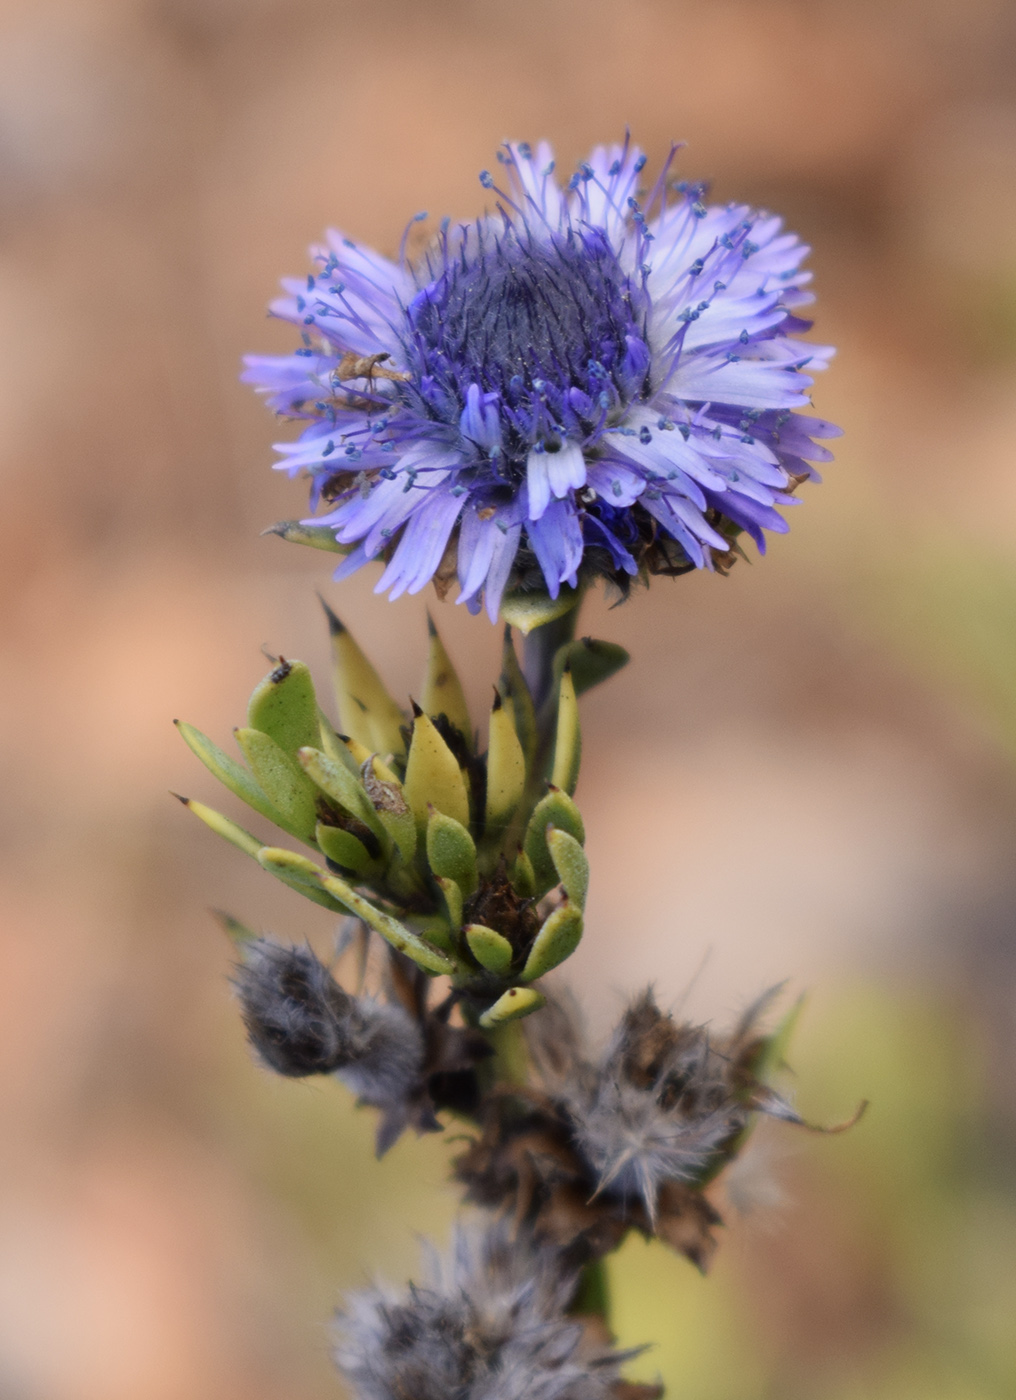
x=433 y=776
x=556 y=809
x=280 y=776
x=523 y=876
x=490 y=948
x=236 y=835
x=506 y=769
x=344 y=848
x=366 y=711
x=452 y=891
x=284 y=707
x=516 y=1002
x=431 y=959
x=451 y=851
x=571 y=864
x=337 y=782
x=299 y=874
x=568 y=743
x=556 y=940
x=591 y=662
x=442 y=689
x=230 y=773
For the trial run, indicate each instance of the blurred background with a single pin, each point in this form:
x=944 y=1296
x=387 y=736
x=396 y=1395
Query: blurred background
x=808 y=772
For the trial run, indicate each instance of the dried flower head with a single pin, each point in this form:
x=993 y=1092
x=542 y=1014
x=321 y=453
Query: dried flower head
x=301 y=1022
x=590 y=381
x=624 y=1142
x=489 y=1325
x=397 y=1054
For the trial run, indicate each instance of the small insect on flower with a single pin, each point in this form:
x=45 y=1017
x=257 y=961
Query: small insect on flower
x=589 y=381
x=490 y=1325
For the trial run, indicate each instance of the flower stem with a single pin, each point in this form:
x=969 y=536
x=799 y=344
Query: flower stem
x=538 y=651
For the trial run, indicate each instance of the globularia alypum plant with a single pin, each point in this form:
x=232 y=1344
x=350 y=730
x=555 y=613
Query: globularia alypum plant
x=601 y=381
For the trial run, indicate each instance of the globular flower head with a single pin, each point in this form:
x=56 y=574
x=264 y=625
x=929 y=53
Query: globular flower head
x=489 y=1325
x=589 y=381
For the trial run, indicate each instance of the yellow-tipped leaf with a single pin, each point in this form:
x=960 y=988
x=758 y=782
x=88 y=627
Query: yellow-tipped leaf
x=433 y=775
x=516 y=1002
x=557 y=940
x=367 y=712
x=442 y=689
x=568 y=742
x=506 y=769
x=571 y=864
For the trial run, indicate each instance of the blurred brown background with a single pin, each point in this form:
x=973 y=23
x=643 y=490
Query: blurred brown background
x=808 y=772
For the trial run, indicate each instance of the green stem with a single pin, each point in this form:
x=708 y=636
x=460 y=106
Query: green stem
x=538 y=651
x=539 y=648
x=592 y=1298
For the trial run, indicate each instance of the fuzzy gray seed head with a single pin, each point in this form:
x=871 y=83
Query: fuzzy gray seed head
x=489 y=1326
x=300 y=1022
x=298 y=1019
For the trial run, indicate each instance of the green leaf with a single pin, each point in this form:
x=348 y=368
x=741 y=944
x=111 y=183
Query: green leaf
x=366 y=711
x=431 y=959
x=516 y=1002
x=451 y=852
x=442 y=689
x=230 y=773
x=571 y=864
x=556 y=940
x=285 y=708
x=236 y=835
x=299 y=874
x=568 y=743
x=556 y=809
x=279 y=775
x=506 y=769
x=452 y=891
x=433 y=776
x=591 y=662
x=337 y=782
x=344 y=848
x=490 y=949
x=523 y=876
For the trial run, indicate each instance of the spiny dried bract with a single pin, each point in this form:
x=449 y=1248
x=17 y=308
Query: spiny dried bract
x=301 y=1022
x=625 y=1142
x=490 y=1325
x=444 y=851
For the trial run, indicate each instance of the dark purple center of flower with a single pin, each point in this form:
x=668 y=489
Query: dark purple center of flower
x=552 y=326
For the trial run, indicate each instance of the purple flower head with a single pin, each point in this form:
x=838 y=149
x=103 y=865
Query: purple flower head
x=590 y=381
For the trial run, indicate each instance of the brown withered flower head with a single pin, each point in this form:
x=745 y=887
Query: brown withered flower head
x=629 y=1141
